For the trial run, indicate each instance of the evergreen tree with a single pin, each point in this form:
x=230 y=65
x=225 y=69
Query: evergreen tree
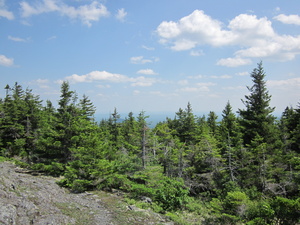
x=230 y=139
x=212 y=122
x=67 y=112
x=185 y=125
x=143 y=127
x=13 y=121
x=257 y=118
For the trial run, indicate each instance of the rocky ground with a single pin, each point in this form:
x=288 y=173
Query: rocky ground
x=28 y=199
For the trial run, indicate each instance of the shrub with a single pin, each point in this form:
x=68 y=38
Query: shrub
x=171 y=194
x=287 y=211
x=79 y=186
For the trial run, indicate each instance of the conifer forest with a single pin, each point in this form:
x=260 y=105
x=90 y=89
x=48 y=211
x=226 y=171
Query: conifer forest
x=242 y=168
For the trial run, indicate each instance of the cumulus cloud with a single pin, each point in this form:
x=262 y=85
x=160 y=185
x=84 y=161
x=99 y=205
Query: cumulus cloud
x=86 y=13
x=234 y=62
x=140 y=60
x=199 y=87
x=105 y=76
x=285 y=84
x=97 y=76
x=5 y=61
x=121 y=14
x=143 y=81
x=254 y=36
x=147 y=72
x=4 y=12
x=288 y=19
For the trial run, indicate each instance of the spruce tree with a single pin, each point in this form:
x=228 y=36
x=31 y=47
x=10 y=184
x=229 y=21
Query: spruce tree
x=257 y=118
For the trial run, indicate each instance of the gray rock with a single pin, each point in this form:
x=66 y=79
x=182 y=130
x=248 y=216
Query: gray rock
x=27 y=199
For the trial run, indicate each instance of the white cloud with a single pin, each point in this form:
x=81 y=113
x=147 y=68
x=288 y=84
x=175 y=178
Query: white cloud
x=183 y=82
x=4 y=12
x=196 y=53
x=161 y=94
x=97 y=76
x=285 y=84
x=86 y=13
x=17 y=39
x=147 y=72
x=206 y=84
x=4 y=61
x=142 y=81
x=41 y=83
x=121 y=14
x=197 y=77
x=105 y=76
x=245 y=73
x=221 y=77
x=200 y=87
x=140 y=60
x=234 y=62
x=194 y=29
x=103 y=86
x=288 y=19
x=147 y=48
x=254 y=36
x=234 y=88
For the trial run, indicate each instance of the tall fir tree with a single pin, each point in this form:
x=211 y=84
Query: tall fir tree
x=257 y=118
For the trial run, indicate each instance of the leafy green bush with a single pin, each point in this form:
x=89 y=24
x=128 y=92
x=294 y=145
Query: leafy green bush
x=260 y=212
x=79 y=186
x=3 y=159
x=171 y=194
x=53 y=169
x=287 y=211
x=117 y=181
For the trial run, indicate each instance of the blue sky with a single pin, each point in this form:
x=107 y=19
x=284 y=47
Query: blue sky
x=153 y=55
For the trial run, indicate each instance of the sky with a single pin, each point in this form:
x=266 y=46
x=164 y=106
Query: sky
x=153 y=56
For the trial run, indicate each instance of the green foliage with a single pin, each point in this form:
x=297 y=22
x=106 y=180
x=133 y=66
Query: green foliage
x=287 y=211
x=242 y=169
x=171 y=194
x=79 y=186
x=115 y=181
x=53 y=169
x=260 y=212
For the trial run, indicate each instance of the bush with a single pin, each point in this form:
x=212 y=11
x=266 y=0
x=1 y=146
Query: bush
x=287 y=211
x=171 y=194
x=79 y=186
x=260 y=212
x=116 y=181
x=54 y=169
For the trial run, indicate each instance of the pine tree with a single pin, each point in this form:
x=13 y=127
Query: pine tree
x=143 y=127
x=13 y=121
x=212 y=122
x=67 y=112
x=230 y=139
x=185 y=125
x=257 y=118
